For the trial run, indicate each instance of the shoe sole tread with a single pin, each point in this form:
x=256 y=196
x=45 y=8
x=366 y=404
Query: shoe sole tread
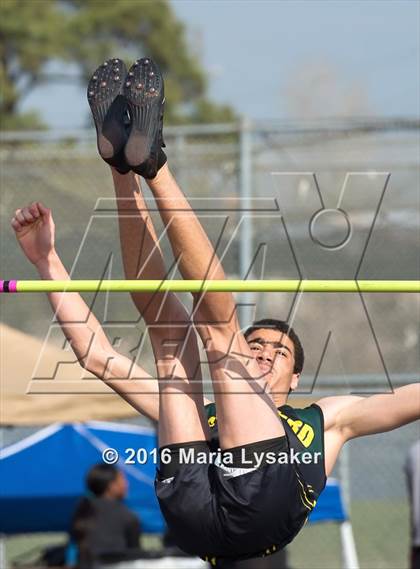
x=103 y=88
x=144 y=92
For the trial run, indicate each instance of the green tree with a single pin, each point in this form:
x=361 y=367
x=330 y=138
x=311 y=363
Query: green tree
x=34 y=33
x=29 y=37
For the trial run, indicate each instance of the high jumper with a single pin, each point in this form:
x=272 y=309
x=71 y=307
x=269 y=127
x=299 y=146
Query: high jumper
x=254 y=497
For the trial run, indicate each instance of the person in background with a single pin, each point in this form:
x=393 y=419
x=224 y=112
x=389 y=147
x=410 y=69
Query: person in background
x=103 y=528
x=412 y=470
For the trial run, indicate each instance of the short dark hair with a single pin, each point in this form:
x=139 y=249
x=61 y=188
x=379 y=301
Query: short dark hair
x=285 y=328
x=100 y=477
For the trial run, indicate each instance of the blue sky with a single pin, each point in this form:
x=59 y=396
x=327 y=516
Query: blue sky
x=284 y=59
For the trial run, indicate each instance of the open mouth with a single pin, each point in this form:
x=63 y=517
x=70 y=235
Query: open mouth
x=265 y=368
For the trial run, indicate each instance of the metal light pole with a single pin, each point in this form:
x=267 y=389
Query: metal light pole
x=245 y=193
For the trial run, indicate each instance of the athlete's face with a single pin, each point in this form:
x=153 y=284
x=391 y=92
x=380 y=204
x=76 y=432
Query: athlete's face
x=275 y=354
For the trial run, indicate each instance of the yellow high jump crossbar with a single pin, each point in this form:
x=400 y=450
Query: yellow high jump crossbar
x=210 y=286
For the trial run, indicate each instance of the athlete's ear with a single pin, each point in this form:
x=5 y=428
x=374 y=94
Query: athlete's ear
x=295 y=381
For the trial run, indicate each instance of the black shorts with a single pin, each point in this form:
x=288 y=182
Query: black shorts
x=229 y=512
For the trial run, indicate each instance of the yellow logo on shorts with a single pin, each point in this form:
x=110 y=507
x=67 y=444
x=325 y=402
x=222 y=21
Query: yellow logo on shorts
x=212 y=421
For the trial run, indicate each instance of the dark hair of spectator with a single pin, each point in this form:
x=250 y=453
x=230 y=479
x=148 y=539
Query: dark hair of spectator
x=100 y=477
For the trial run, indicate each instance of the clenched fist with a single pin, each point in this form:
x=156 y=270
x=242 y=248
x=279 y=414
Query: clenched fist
x=35 y=230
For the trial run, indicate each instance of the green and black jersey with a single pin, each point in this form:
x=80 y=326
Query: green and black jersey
x=304 y=430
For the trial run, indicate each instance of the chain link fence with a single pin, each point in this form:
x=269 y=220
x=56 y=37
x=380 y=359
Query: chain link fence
x=331 y=199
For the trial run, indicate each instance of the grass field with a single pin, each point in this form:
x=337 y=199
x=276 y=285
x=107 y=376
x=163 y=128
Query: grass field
x=381 y=531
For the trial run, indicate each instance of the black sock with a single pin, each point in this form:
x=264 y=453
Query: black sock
x=150 y=168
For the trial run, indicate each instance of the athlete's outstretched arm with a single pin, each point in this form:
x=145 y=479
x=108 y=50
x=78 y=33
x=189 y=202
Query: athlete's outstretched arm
x=34 y=228
x=380 y=413
x=353 y=416
x=349 y=416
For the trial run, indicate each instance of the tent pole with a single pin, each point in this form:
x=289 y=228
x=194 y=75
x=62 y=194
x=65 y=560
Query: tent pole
x=3 y=563
x=349 y=547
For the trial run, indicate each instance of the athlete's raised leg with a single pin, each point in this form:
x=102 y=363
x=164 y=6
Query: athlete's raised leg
x=173 y=339
x=240 y=391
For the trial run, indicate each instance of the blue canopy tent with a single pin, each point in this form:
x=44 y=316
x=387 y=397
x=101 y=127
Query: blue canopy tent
x=43 y=475
x=330 y=506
